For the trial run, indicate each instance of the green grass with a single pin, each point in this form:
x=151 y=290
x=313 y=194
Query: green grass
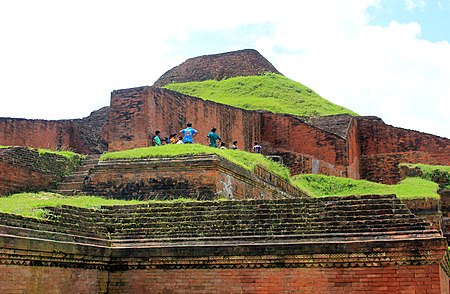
x=244 y=159
x=437 y=173
x=31 y=204
x=321 y=186
x=65 y=153
x=426 y=168
x=272 y=92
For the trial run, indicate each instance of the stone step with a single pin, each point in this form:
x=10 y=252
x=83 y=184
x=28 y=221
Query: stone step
x=76 y=177
x=264 y=238
x=252 y=208
x=125 y=219
x=268 y=225
x=175 y=216
x=144 y=234
x=70 y=192
x=71 y=186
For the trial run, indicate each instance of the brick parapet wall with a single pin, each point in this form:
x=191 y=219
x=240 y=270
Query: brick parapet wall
x=383 y=147
x=304 y=148
x=137 y=113
x=198 y=177
x=24 y=169
x=384 y=168
x=41 y=134
x=80 y=135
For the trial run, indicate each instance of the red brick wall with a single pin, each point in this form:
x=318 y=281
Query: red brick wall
x=307 y=149
x=137 y=113
x=41 y=279
x=24 y=169
x=197 y=177
x=41 y=134
x=16 y=178
x=353 y=170
x=394 y=279
x=383 y=147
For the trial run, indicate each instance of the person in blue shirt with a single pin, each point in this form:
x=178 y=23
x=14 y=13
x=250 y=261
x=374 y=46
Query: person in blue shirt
x=157 y=139
x=188 y=134
x=213 y=138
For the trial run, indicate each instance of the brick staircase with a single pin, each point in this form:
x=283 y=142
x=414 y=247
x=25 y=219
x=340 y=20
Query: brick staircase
x=333 y=218
x=356 y=231
x=73 y=184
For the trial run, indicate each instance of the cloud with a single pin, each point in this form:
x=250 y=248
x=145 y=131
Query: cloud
x=415 y=4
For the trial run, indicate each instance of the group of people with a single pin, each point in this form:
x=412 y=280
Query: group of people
x=188 y=134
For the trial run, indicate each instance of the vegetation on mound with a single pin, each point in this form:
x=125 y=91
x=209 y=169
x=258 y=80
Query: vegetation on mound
x=32 y=204
x=437 y=173
x=272 y=92
x=65 y=153
x=244 y=159
x=322 y=186
x=68 y=154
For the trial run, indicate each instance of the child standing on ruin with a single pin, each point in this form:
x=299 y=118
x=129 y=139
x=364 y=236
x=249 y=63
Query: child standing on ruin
x=157 y=139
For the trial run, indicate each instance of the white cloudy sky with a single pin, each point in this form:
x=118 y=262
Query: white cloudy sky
x=61 y=59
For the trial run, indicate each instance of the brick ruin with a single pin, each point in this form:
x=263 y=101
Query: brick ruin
x=341 y=145
x=344 y=245
x=268 y=237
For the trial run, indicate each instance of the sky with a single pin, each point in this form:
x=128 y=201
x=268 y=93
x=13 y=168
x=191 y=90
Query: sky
x=391 y=59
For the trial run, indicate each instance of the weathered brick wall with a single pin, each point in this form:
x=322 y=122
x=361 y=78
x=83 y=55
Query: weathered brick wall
x=24 y=169
x=198 y=177
x=246 y=62
x=173 y=248
x=383 y=147
x=304 y=148
x=353 y=169
x=393 y=279
x=427 y=208
x=42 y=279
x=80 y=135
x=137 y=113
x=40 y=134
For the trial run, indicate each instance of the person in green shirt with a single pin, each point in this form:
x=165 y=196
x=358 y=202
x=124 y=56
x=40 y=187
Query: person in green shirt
x=213 y=138
x=157 y=139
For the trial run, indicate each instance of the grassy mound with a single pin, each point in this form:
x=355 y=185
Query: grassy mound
x=244 y=159
x=321 y=186
x=272 y=92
